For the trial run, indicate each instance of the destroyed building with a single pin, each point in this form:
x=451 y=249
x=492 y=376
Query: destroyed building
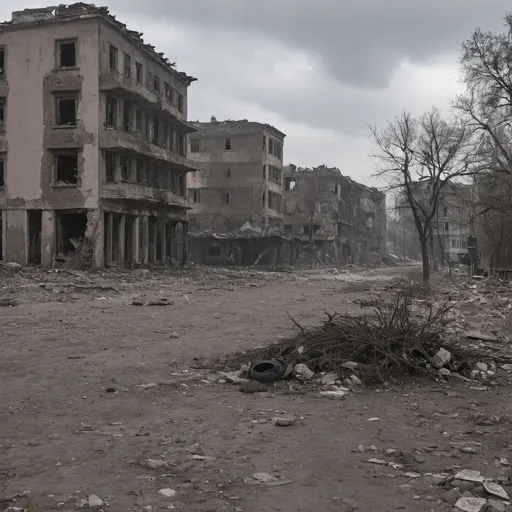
x=239 y=176
x=93 y=141
x=451 y=227
x=338 y=219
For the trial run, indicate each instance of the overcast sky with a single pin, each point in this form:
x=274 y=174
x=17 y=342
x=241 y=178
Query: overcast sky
x=319 y=71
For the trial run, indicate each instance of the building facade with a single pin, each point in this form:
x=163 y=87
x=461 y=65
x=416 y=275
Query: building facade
x=239 y=176
x=93 y=141
x=344 y=220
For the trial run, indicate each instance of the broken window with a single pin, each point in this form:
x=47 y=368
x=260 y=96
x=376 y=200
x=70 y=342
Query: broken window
x=110 y=167
x=127 y=66
x=112 y=57
x=2 y=173
x=127 y=122
x=227 y=144
x=66 y=54
x=2 y=60
x=156 y=84
x=227 y=197
x=2 y=114
x=194 y=145
x=196 y=195
x=156 y=134
x=66 y=111
x=111 y=116
x=139 y=72
x=66 y=166
x=124 y=162
x=180 y=102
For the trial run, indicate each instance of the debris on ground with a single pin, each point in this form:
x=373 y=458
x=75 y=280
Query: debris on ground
x=283 y=421
x=152 y=302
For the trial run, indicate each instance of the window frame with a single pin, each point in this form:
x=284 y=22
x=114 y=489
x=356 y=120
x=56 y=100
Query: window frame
x=127 y=71
x=66 y=96
x=115 y=53
x=58 y=59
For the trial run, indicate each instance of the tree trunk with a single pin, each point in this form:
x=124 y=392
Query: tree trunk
x=425 y=260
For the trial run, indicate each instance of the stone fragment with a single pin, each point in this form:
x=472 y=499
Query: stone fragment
x=350 y=365
x=469 y=475
x=412 y=474
x=304 y=371
x=232 y=377
x=444 y=372
x=379 y=462
x=333 y=394
x=463 y=485
x=471 y=504
x=94 y=501
x=482 y=367
x=355 y=380
x=328 y=379
x=507 y=367
x=283 y=421
x=496 y=490
x=441 y=358
x=451 y=497
x=155 y=464
x=168 y=493
x=495 y=506
x=263 y=478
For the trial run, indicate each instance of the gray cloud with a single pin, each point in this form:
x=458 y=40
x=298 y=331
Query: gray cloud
x=360 y=42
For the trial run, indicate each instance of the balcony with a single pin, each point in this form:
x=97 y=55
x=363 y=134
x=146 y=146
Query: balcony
x=127 y=86
x=114 y=139
x=140 y=193
x=65 y=79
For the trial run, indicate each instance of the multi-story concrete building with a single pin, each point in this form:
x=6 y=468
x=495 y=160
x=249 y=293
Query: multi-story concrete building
x=239 y=176
x=344 y=219
x=93 y=140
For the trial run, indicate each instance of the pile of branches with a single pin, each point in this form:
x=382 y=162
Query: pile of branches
x=392 y=340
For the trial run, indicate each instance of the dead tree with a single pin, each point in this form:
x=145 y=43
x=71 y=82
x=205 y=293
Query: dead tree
x=419 y=157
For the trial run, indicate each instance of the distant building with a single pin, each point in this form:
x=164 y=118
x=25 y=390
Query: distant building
x=239 y=176
x=93 y=141
x=451 y=226
x=344 y=220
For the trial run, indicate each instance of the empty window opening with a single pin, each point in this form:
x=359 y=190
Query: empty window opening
x=194 y=145
x=288 y=229
x=167 y=91
x=70 y=232
x=126 y=116
x=138 y=122
x=112 y=57
x=139 y=72
x=66 y=169
x=196 y=196
x=214 y=251
x=182 y=150
x=2 y=114
x=264 y=142
x=127 y=66
x=264 y=199
x=227 y=197
x=67 y=54
x=2 y=67
x=140 y=171
x=264 y=173
x=124 y=162
x=445 y=211
x=156 y=132
x=287 y=184
x=111 y=116
x=156 y=84
x=446 y=226
x=110 y=167
x=166 y=137
x=228 y=173
x=2 y=173
x=35 y=221
x=66 y=111
x=181 y=185
x=180 y=102
x=227 y=144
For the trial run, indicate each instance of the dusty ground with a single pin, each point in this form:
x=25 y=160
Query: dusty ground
x=63 y=437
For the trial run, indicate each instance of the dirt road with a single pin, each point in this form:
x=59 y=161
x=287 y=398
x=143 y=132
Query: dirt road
x=93 y=386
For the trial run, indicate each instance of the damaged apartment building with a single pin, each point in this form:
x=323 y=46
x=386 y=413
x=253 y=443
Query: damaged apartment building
x=236 y=191
x=336 y=219
x=93 y=141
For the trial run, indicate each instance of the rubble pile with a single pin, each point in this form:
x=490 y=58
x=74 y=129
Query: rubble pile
x=402 y=337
